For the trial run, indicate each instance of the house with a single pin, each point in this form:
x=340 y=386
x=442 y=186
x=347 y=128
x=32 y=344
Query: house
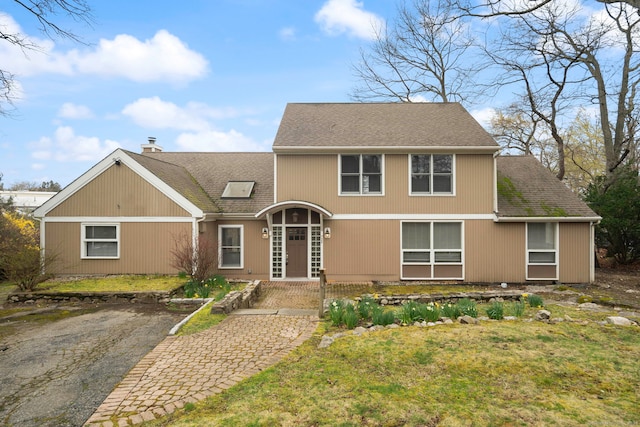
x=383 y=192
x=25 y=201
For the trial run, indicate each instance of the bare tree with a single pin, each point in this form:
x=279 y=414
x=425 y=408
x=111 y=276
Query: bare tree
x=422 y=56
x=46 y=12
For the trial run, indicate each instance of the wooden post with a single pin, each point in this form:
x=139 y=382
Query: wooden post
x=323 y=281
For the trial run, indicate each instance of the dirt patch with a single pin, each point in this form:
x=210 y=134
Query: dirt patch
x=618 y=286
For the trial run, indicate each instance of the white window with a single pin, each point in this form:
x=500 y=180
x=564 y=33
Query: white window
x=432 y=250
x=431 y=174
x=542 y=250
x=230 y=246
x=431 y=243
x=100 y=241
x=361 y=174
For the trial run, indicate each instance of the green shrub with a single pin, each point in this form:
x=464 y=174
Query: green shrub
x=496 y=310
x=468 y=307
x=429 y=312
x=517 y=308
x=336 y=312
x=535 y=301
x=452 y=311
x=380 y=316
x=350 y=317
x=365 y=307
x=409 y=313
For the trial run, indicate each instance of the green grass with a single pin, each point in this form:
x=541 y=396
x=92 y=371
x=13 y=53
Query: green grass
x=201 y=321
x=516 y=373
x=115 y=284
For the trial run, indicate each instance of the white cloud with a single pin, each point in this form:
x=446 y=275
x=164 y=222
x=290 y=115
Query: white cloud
x=66 y=146
x=348 y=16
x=70 y=110
x=37 y=166
x=163 y=58
x=484 y=116
x=154 y=113
x=218 y=141
x=287 y=33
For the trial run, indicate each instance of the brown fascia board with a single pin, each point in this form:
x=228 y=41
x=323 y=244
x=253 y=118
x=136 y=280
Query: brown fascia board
x=384 y=149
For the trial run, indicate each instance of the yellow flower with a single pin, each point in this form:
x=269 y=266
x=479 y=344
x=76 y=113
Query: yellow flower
x=525 y=295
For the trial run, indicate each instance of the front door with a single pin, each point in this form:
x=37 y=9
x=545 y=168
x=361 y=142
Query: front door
x=297 y=252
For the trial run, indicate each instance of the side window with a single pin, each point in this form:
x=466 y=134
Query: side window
x=542 y=250
x=431 y=174
x=361 y=174
x=230 y=246
x=100 y=241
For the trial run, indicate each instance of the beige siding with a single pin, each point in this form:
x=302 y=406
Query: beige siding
x=118 y=191
x=494 y=252
x=315 y=179
x=145 y=248
x=362 y=250
x=256 y=250
x=575 y=252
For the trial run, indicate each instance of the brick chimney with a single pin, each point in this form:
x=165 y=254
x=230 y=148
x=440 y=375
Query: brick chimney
x=151 y=147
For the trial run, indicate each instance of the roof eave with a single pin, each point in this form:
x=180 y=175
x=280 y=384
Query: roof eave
x=498 y=218
x=290 y=149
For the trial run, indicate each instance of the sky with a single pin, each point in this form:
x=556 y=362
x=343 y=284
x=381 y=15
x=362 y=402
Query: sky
x=198 y=75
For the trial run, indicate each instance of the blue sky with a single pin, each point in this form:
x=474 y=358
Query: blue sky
x=199 y=75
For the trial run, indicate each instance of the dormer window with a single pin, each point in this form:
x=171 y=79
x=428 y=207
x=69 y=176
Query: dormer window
x=361 y=174
x=431 y=174
x=238 y=190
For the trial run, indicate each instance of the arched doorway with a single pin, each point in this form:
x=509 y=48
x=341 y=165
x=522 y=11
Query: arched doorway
x=296 y=233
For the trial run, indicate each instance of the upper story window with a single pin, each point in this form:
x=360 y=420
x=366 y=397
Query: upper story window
x=100 y=241
x=361 y=174
x=431 y=173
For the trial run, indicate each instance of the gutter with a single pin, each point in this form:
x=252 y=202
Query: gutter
x=590 y=219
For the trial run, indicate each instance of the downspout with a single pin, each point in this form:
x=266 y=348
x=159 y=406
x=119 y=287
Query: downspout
x=495 y=182
x=42 y=243
x=592 y=244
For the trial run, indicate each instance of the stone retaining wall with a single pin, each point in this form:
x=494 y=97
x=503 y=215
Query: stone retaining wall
x=90 y=297
x=238 y=299
x=454 y=297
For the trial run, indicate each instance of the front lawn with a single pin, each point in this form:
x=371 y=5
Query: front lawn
x=130 y=283
x=495 y=373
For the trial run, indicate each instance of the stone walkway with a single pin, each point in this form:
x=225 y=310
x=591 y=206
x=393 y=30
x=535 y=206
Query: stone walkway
x=190 y=368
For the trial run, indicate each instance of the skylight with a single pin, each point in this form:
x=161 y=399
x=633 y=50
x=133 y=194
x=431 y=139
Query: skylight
x=238 y=190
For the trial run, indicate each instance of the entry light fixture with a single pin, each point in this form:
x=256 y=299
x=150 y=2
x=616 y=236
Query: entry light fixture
x=327 y=233
x=294 y=216
x=265 y=233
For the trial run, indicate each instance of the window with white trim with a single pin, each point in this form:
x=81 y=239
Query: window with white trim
x=431 y=174
x=361 y=174
x=100 y=241
x=541 y=243
x=425 y=243
x=230 y=246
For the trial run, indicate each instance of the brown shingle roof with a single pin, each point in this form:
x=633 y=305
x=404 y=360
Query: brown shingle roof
x=212 y=171
x=528 y=189
x=379 y=125
x=178 y=178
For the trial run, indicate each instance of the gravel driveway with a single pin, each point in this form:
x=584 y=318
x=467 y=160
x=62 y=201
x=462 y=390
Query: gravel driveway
x=58 y=373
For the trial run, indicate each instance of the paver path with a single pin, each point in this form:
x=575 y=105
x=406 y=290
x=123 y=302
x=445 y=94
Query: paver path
x=190 y=368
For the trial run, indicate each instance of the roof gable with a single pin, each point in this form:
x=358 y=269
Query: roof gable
x=528 y=189
x=380 y=125
x=117 y=157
